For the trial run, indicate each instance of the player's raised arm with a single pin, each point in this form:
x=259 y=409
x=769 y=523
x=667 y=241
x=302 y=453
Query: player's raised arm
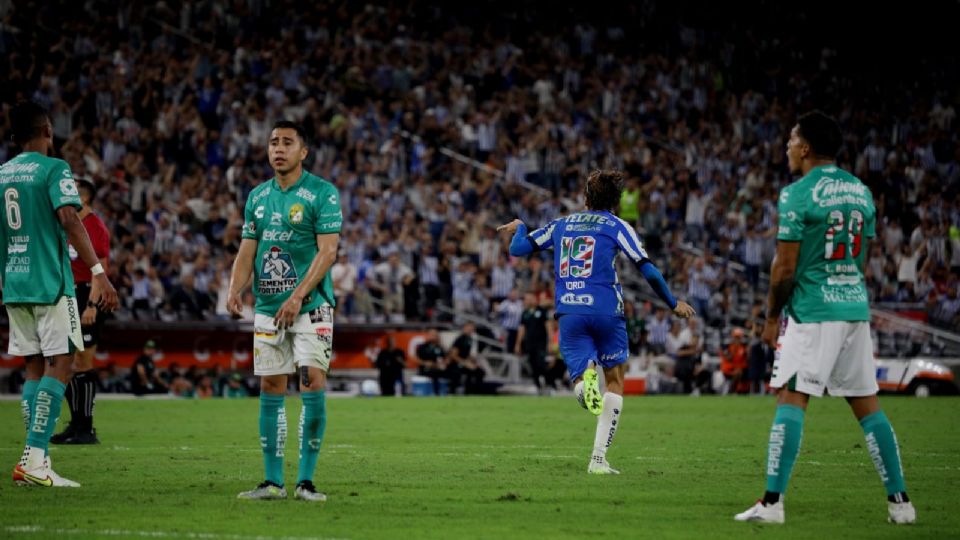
x=523 y=243
x=629 y=243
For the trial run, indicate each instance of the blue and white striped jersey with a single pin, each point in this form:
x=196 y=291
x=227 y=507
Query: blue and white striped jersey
x=586 y=245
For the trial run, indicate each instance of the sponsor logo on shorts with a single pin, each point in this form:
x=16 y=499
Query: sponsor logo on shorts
x=72 y=313
x=812 y=380
x=322 y=314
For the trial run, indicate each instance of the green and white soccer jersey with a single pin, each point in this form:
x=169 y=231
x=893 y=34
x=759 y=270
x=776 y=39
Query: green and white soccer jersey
x=285 y=224
x=830 y=212
x=35 y=259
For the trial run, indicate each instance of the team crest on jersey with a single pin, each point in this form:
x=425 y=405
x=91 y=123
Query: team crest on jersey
x=296 y=214
x=277 y=273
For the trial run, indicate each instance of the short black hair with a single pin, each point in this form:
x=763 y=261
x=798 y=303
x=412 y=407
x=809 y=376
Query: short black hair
x=603 y=189
x=27 y=119
x=289 y=124
x=821 y=132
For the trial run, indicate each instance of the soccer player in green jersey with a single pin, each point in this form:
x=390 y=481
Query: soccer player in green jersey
x=40 y=203
x=817 y=281
x=290 y=234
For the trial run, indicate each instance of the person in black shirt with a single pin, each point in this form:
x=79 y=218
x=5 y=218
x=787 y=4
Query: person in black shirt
x=532 y=339
x=463 y=362
x=391 y=362
x=432 y=362
x=144 y=378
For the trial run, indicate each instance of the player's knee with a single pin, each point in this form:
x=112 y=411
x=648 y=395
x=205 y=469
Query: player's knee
x=273 y=384
x=60 y=367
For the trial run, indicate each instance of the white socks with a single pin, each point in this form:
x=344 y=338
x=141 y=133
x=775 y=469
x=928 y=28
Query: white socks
x=606 y=423
x=578 y=391
x=32 y=458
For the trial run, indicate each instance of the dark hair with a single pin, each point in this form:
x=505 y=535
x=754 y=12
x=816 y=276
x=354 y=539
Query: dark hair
x=603 y=189
x=27 y=119
x=288 y=124
x=821 y=132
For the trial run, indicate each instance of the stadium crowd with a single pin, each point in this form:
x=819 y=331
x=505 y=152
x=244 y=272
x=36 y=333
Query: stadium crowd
x=436 y=124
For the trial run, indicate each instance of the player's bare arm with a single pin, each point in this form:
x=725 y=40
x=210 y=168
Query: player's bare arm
x=322 y=261
x=782 y=273
x=240 y=275
x=102 y=292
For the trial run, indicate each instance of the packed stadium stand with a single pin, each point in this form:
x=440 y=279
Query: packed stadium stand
x=438 y=123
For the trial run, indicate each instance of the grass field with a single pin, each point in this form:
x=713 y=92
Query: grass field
x=508 y=467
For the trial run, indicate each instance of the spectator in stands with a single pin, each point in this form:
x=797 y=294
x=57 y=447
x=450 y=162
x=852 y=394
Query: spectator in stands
x=390 y=362
x=432 y=360
x=344 y=276
x=509 y=312
x=734 y=364
x=235 y=387
x=944 y=312
x=389 y=278
x=463 y=362
x=144 y=376
x=659 y=328
x=189 y=302
x=702 y=280
x=636 y=328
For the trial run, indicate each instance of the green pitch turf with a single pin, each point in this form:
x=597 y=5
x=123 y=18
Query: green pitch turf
x=499 y=468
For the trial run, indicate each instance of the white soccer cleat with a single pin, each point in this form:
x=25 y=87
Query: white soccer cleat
x=599 y=465
x=306 y=491
x=763 y=513
x=266 y=491
x=41 y=477
x=901 y=513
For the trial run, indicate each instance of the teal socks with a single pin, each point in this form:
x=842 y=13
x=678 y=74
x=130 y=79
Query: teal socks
x=884 y=451
x=46 y=412
x=784 y=446
x=27 y=402
x=313 y=423
x=273 y=435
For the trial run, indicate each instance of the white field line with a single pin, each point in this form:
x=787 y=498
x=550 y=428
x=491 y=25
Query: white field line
x=129 y=533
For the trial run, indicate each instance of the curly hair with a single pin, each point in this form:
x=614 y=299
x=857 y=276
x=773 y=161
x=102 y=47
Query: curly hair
x=603 y=189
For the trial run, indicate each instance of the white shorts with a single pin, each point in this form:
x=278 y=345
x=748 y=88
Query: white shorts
x=45 y=329
x=836 y=355
x=308 y=343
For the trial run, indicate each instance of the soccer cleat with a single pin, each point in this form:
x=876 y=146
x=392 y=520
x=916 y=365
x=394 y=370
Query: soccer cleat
x=63 y=436
x=763 y=513
x=265 y=491
x=599 y=465
x=42 y=477
x=901 y=513
x=591 y=392
x=83 y=437
x=306 y=491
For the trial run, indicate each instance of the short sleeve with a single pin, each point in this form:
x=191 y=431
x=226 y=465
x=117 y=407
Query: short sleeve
x=790 y=220
x=629 y=242
x=329 y=216
x=61 y=187
x=249 y=220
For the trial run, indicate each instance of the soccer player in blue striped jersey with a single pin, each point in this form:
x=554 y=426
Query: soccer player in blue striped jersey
x=589 y=298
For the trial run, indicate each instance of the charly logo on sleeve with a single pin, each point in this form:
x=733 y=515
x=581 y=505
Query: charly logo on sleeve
x=277 y=272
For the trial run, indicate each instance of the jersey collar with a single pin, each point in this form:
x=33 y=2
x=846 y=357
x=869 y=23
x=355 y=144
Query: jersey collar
x=276 y=185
